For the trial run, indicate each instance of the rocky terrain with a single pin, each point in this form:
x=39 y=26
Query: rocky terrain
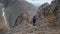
x=13 y=8
x=48 y=18
x=50 y=13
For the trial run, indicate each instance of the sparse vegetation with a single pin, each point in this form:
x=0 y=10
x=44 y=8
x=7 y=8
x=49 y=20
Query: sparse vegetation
x=48 y=18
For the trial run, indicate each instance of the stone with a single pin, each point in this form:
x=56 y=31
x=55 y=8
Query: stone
x=23 y=18
x=51 y=13
x=43 y=10
x=4 y=26
x=13 y=8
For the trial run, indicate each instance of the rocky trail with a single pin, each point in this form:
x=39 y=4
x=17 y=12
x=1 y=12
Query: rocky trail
x=30 y=29
x=47 y=16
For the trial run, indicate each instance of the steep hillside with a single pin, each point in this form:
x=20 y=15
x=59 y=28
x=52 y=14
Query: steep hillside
x=15 y=7
x=48 y=18
x=48 y=21
x=50 y=14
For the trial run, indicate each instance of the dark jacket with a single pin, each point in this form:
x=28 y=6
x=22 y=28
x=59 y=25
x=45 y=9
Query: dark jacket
x=33 y=19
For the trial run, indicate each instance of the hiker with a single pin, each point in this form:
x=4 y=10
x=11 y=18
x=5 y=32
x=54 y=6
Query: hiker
x=34 y=20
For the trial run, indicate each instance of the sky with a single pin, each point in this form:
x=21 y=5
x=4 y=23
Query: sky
x=37 y=3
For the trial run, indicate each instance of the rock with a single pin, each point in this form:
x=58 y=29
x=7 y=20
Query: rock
x=49 y=13
x=14 y=7
x=43 y=10
x=4 y=26
x=48 y=18
x=23 y=18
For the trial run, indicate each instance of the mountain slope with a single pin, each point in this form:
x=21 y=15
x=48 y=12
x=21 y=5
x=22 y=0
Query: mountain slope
x=15 y=7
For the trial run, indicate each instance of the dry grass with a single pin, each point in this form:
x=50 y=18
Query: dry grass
x=42 y=32
x=49 y=19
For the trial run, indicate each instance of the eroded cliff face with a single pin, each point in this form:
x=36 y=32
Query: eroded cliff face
x=14 y=7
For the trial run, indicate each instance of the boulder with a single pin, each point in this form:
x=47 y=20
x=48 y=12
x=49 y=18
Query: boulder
x=43 y=10
x=22 y=19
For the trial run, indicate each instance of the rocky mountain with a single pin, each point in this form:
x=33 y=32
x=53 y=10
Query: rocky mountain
x=50 y=14
x=14 y=7
x=48 y=21
x=48 y=18
x=43 y=9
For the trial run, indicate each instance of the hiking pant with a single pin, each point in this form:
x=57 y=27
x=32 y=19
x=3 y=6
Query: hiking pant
x=33 y=23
